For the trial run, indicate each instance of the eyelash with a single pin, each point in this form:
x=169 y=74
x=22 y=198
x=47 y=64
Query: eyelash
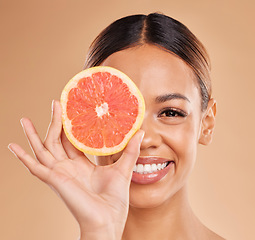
x=173 y=113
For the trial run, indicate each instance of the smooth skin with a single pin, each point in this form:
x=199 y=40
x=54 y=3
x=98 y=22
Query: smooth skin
x=174 y=126
x=97 y=196
x=106 y=204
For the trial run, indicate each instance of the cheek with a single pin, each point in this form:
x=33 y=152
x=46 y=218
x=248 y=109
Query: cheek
x=183 y=140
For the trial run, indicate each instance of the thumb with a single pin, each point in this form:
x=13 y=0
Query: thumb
x=130 y=155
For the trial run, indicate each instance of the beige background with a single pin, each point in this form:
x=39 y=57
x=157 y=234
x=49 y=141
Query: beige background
x=44 y=43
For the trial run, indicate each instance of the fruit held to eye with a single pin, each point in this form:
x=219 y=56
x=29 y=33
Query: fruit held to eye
x=101 y=110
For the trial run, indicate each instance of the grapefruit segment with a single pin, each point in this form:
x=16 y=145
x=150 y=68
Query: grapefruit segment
x=101 y=110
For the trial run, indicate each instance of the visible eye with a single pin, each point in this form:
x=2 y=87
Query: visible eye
x=172 y=112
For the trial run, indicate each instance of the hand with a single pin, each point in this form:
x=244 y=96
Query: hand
x=97 y=196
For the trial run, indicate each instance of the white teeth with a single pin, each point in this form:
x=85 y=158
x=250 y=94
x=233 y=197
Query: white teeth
x=139 y=168
x=163 y=165
x=159 y=166
x=154 y=167
x=149 y=168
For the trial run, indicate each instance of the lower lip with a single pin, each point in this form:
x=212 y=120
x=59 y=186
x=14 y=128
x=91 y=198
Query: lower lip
x=151 y=177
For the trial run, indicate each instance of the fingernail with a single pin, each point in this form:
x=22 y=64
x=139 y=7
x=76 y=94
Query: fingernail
x=9 y=147
x=21 y=122
x=52 y=105
x=142 y=136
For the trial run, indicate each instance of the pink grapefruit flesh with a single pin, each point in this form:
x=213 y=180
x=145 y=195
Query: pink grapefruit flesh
x=101 y=110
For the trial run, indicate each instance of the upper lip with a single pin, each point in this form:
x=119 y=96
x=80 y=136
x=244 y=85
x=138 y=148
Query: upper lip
x=152 y=159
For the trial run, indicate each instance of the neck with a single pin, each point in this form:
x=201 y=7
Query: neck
x=173 y=219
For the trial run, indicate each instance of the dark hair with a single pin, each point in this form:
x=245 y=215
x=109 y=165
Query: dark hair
x=159 y=30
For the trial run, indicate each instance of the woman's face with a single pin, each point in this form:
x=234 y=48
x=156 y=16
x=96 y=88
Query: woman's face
x=172 y=122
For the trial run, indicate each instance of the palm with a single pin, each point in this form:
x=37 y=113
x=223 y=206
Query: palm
x=96 y=195
x=95 y=181
x=103 y=189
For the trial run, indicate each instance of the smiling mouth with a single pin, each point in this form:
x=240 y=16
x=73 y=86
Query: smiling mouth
x=150 y=168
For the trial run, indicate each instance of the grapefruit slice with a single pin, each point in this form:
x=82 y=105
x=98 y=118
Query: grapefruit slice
x=102 y=109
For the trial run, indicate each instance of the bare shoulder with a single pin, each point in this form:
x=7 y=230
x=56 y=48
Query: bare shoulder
x=213 y=236
x=206 y=233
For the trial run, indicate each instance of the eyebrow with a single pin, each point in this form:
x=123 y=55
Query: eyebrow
x=170 y=96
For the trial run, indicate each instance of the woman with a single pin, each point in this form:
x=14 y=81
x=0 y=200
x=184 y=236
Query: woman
x=124 y=196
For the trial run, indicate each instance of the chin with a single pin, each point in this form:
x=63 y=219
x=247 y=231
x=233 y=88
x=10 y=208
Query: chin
x=151 y=195
x=147 y=204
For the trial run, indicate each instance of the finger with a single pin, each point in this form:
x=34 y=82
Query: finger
x=32 y=165
x=70 y=191
x=41 y=153
x=52 y=141
x=72 y=152
x=130 y=155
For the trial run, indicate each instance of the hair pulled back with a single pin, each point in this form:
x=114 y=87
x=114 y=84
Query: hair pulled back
x=156 y=29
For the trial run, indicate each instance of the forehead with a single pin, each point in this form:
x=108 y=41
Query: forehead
x=155 y=71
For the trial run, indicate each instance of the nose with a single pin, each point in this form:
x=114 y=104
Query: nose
x=152 y=138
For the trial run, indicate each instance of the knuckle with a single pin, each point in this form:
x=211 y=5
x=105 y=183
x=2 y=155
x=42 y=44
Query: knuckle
x=24 y=155
x=42 y=149
x=46 y=143
x=40 y=152
x=49 y=143
x=34 y=170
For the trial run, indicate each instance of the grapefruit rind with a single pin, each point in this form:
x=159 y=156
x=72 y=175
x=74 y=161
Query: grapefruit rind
x=67 y=123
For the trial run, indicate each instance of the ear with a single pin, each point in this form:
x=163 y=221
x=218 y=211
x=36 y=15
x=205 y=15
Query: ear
x=208 y=123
